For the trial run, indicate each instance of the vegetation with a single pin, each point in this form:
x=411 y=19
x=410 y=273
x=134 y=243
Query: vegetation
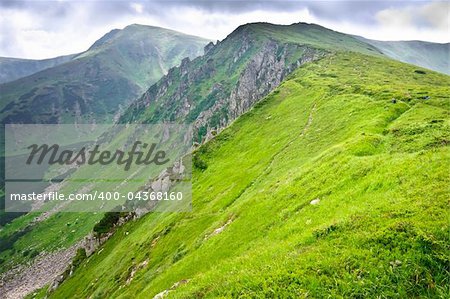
x=326 y=188
x=98 y=82
x=107 y=223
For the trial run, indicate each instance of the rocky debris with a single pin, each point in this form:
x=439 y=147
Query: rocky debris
x=219 y=229
x=135 y=269
x=164 y=293
x=165 y=180
x=47 y=267
x=396 y=263
x=91 y=243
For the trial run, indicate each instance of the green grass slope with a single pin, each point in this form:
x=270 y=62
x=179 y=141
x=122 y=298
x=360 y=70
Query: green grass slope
x=96 y=84
x=432 y=56
x=364 y=138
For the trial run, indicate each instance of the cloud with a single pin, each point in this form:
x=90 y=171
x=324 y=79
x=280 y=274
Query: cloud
x=42 y=29
x=437 y=14
x=429 y=21
x=433 y=15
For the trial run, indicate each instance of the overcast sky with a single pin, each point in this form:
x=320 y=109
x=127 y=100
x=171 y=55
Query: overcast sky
x=43 y=29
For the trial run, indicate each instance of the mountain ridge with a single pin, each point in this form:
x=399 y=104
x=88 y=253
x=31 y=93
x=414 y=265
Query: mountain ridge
x=310 y=192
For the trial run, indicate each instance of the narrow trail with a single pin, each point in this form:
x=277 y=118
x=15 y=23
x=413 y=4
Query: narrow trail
x=266 y=170
x=304 y=131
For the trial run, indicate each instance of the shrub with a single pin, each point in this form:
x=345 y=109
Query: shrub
x=106 y=224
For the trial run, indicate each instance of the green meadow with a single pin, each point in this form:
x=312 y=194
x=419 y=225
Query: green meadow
x=334 y=185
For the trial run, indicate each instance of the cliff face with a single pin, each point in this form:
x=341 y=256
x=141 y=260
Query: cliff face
x=213 y=90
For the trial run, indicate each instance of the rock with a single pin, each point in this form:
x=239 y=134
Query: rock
x=315 y=201
x=260 y=75
x=161 y=295
x=395 y=263
x=208 y=47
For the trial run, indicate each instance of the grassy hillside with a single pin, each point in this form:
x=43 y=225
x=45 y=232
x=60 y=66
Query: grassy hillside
x=432 y=56
x=14 y=68
x=195 y=81
x=335 y=185
x=95 y=85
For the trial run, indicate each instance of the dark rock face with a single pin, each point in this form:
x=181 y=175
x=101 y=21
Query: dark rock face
x=208 y=47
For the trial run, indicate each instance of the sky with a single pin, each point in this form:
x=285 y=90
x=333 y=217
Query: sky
x=42 y=29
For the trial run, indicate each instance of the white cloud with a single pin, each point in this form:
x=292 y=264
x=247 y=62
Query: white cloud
x=138 y=7
x=215 y=25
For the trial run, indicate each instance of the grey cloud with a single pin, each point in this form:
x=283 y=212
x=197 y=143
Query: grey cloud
x=353 y=11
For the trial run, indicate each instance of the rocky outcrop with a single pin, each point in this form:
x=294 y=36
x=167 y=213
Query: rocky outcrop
x=213 y=90
x=262 y=74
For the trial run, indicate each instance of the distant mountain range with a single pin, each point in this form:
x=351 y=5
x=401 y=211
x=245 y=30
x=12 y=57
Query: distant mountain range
x=433 y=56
x=14 y=68
x=95 y=85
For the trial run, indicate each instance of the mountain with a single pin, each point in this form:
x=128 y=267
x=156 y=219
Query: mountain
x=14 y=68
x=214 y=89
x=96 y=84
x=306 y=171
x=335 y=184
x=433 y=56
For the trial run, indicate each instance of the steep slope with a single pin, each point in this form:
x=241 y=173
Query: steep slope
x=214 y=89
x=94 y=85
x=336 y=184
x=432 y=56
x=211 y=90
x=14 y=68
